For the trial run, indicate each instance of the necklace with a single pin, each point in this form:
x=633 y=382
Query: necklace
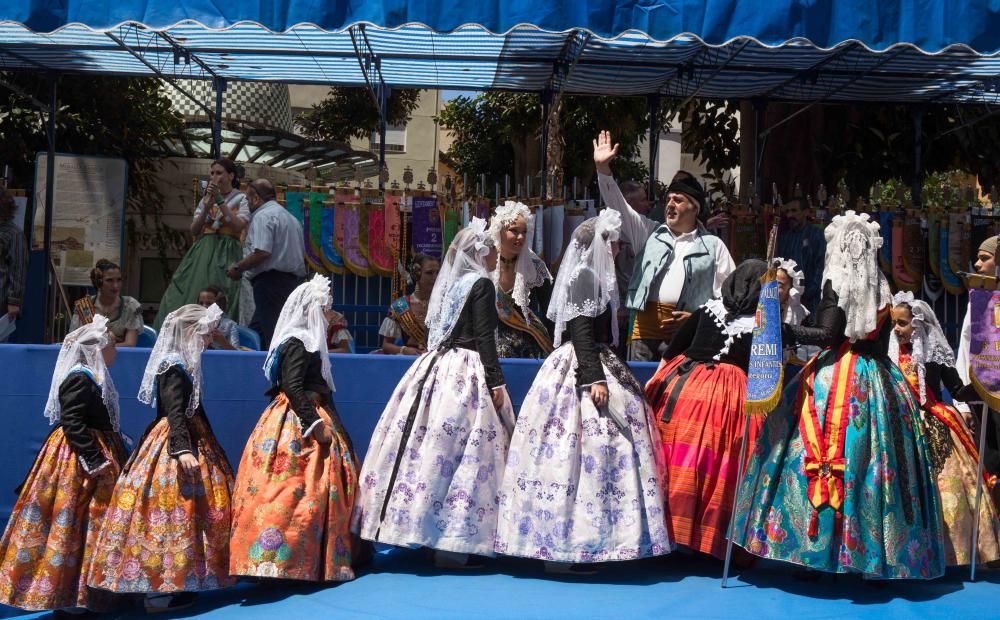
x=507 y=262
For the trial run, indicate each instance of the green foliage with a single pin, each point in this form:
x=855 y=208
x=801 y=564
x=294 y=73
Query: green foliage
x=348 y=113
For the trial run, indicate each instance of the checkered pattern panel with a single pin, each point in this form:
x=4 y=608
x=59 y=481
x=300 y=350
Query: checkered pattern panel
x=257 y=103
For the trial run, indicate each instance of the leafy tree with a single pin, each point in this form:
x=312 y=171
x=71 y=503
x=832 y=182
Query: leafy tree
x=350 y=113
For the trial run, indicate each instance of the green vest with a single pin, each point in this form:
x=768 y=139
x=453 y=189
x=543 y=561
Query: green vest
x=651 y=265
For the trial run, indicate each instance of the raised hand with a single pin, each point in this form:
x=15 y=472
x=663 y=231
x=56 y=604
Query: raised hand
x=604 y=152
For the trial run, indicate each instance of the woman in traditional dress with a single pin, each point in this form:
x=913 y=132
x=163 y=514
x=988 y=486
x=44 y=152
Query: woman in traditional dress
x=298 y=476
x=404 y=331
x=124 y=313
x=47 y=547
x=519 y=275
x=791 y=285
x=434 y=466
x=840 y=479
x=922 y=352
x=338 y=336
x=218 y=223
x=698 y=395
x=166 y=533
x=585 y=468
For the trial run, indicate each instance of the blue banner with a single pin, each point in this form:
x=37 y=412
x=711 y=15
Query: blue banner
x=764 y=376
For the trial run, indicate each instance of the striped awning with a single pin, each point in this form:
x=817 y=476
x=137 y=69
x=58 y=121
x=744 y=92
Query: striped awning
x=821 y=50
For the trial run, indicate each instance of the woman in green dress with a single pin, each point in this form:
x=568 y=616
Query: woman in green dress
x=218 y=223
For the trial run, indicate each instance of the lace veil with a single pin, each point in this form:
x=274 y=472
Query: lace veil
x=929 y=342
x=464 y=264
x=530 y=270
x=302 y=317
x=852 y=245
x=586 y=284
x=181 y=342
x=81 y=350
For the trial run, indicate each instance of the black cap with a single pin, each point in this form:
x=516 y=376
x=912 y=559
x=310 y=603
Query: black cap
x=692 y=189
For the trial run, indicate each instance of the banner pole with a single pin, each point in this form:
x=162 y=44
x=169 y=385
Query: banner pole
x=974 y=550
x=736 y=496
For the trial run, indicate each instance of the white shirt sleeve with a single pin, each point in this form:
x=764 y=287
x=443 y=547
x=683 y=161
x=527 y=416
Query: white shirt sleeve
x=390 y=329
x=962 y=359
x=724 y=266
x=636 y=227
x=244 y=211
x=198 y=209
x=263 y=233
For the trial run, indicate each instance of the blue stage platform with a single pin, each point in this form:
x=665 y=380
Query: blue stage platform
x=403 y=584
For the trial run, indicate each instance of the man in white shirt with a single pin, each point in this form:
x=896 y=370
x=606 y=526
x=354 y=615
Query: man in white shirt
x=275 y=257
x=679 y=265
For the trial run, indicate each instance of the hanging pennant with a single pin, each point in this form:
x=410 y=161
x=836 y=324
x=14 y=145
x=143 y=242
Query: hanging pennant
x=293 y=201
x=984 y=341
x=765 y=375
x=553 y=222
x=483 y=209
x=392 y=232
x=312 y=259
x=900 y=276
x=934 y=241
x=885 y=218
x=426 y=224
x=537 y=240
x=959 y=241
x=449 y=226
x=952 y=283
x=315 y=202
x=332 y=259
x=379 y=254
x=914 y=246
x=348 y=237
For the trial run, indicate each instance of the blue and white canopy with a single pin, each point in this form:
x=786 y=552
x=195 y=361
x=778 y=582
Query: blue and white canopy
x=798 y=50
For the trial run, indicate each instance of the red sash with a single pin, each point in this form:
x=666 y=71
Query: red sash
x=824 y=443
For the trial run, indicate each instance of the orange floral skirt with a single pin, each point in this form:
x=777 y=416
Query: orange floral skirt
x=46 y=550
x=165 y=532
x=293 y=502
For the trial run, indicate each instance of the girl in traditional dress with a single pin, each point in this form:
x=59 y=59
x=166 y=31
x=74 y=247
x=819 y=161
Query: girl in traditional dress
x=124 y=313
x=519 y=275
x=840 y=479
x=791 y=286
x=584 y=471
x=404 y=331
x=922 y=352
x=218 y=223
x=437 y=455
x=698 y=395
x=166 y=532
x=298 y=476
x=47 y=547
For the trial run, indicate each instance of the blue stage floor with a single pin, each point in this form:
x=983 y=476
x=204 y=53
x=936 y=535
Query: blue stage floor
x=403 y=584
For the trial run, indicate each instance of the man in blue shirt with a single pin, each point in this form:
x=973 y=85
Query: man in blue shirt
x=806 y=245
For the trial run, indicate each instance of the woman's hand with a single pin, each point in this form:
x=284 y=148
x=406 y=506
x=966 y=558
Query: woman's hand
x=189 y=464
x=599 y=394
x=497 y=396
x=322 y=433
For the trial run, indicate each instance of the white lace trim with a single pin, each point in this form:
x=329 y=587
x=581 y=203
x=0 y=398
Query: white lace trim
x=732 y=329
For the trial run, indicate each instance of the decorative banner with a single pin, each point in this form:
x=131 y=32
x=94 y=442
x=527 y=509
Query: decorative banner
x=315 y=230
x=315 y=262
x=885 y=229
x=347 y=234
x=914 y=243
x=331 y=258
x=952 y=283
x=766 y=370
x=899 y=273
x=748 y=236
x=984 y=343
x=934 y=242
x=959 y=241
x=449 y=226
x=293 y=201
x=554 y=217
x=483 y=209
x=426 y=225
x=537 y=240
x=378 y=251
x=393 y=198
x=982 y=227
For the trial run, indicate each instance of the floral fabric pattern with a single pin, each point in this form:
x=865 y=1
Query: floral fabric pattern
x=163 y=531
x=444 y=491
x=577 y=487
x=292 y=509
x=891 y=525
x=46 y=550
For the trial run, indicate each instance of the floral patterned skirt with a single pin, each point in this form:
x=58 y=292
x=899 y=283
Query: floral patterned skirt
x=955 y=468
x=47 y=548
x=890 y=525
x=436 y=459
x=165 y=532
x=582 y=484
x=701 y=443
x=293 y=502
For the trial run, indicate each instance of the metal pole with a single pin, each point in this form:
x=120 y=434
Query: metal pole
x=654 y=143
x=50 y=189
x=974 y=551
x=759 y=143
x=219 y=85
x=546 y=97
x=383 y=104
x=736 y=496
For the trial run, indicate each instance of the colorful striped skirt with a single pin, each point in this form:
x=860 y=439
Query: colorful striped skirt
x=700 y=409
x=47 y=548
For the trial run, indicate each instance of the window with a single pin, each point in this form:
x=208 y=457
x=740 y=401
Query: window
x=395 y=139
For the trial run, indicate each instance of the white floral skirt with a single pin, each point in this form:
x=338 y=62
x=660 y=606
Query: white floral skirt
x=433 y=469
x=582 y=484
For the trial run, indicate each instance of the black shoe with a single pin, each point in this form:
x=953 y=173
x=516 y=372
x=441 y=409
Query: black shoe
x=160 y=603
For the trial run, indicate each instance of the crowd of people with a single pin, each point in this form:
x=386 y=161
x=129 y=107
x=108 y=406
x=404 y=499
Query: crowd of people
x=864 y=466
